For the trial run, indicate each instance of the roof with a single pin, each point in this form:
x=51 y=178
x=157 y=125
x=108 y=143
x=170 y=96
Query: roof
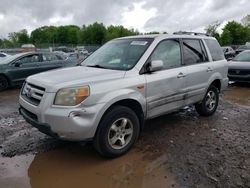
x=162 y=36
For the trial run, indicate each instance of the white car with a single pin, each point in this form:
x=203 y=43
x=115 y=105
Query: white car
x=3 y=55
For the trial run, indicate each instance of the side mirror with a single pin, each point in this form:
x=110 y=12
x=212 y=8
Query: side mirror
x=17 y=64
x=155 y=65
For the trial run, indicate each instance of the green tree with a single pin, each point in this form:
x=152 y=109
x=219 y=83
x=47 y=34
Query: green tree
x=212 y=30
x=23 y=37
x=226 y=38
x=118 y=31
x=235 y=33
x=152 y=32
x=93 y=34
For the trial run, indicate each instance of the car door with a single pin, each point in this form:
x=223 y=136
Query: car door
x=50 y=61
x=199 y=69
x=166 y=88
x=23 y=67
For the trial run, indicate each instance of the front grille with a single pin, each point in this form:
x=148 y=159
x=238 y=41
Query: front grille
x=238 y=72
x=32 y=93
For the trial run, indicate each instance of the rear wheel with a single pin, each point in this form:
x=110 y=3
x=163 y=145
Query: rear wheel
x=3 y=83
x=118 y=131
x=209 y=104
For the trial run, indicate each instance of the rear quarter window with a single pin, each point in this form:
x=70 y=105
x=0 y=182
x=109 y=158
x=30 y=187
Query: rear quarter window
x=215 y=49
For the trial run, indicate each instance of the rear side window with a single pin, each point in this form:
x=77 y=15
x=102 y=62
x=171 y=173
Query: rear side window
x=49 y=57
x=215 y=49
x=193 y=52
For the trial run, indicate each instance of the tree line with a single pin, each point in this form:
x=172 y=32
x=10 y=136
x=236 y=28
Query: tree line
x=233 y=33
x=93 y=34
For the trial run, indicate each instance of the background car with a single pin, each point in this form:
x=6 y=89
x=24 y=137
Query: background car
x=3 y=55
x=242 y=48
x=228 y=52
x=15 y=69
x=239 y=67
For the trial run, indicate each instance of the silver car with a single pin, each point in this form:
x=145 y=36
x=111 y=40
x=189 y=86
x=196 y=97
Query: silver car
x=239 y=67
x=127 y=81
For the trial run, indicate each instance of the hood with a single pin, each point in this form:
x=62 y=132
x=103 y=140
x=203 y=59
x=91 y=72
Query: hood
x=73 y=76
x=239 y=65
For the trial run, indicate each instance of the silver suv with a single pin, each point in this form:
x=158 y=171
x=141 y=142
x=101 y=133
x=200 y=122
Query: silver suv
x=127 y=81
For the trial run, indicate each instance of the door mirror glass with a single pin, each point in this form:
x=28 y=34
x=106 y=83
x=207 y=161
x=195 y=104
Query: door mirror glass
x=155 y=65
x=17 y=63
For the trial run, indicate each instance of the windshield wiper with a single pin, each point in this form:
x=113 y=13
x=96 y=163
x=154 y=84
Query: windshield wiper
x=96 y=66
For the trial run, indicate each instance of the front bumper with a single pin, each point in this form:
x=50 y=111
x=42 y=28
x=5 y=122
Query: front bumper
x=42 y=127
x=74 y=124
x=239 y=78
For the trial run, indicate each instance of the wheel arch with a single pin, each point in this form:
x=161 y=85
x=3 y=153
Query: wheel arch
x=7 y=78
x=130 y=103
x=217 y=84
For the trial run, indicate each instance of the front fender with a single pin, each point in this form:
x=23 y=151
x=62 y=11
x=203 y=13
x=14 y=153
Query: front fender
x=115 y=96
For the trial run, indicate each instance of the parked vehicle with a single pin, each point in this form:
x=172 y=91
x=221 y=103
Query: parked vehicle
x=28 y=48
x=228 y=52
x=241 y=49
x=122 y=84
x=239 y=67
x=3 y=55
x=15 y=69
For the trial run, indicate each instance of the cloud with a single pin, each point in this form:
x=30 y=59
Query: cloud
x=145 y=15
x=192 y=15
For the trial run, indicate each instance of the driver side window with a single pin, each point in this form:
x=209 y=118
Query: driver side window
x=29 y=59
x=169 y=52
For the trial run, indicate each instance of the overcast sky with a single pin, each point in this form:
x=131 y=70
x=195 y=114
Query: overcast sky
x=144 y=15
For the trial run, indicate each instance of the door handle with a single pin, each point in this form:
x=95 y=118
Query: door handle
x=209 y=69
x=181 y=75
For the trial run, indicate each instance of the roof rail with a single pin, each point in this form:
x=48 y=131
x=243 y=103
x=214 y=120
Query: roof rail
x=190 y=33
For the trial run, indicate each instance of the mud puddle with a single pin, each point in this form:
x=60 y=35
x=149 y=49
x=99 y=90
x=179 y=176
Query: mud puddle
x=80 y=166
x=238 y=93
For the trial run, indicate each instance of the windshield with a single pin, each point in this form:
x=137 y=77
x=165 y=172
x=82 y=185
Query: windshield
x=120 y=54
x=243 y=47
x=244 y=56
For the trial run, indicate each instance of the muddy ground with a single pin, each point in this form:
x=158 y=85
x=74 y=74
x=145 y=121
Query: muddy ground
x=177 y=150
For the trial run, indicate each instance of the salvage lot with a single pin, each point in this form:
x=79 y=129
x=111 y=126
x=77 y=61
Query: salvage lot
x=177 y=150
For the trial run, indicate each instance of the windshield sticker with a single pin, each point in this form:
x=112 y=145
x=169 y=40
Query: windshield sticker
x=141 y=43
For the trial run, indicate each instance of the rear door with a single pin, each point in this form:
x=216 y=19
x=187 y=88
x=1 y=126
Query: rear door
x=50 y=61
x=166 y=88
x=199 y=69
x=23 y=67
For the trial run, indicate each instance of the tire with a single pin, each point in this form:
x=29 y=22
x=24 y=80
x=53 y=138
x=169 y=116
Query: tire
x=3 y=83
x=117 y=132
x=209 y=104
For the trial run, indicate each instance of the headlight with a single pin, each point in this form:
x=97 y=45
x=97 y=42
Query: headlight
x=71 y=96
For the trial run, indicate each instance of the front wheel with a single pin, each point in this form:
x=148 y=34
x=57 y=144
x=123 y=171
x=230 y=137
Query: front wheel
x=209 y=104
x=118 y=131
x=3 y=83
